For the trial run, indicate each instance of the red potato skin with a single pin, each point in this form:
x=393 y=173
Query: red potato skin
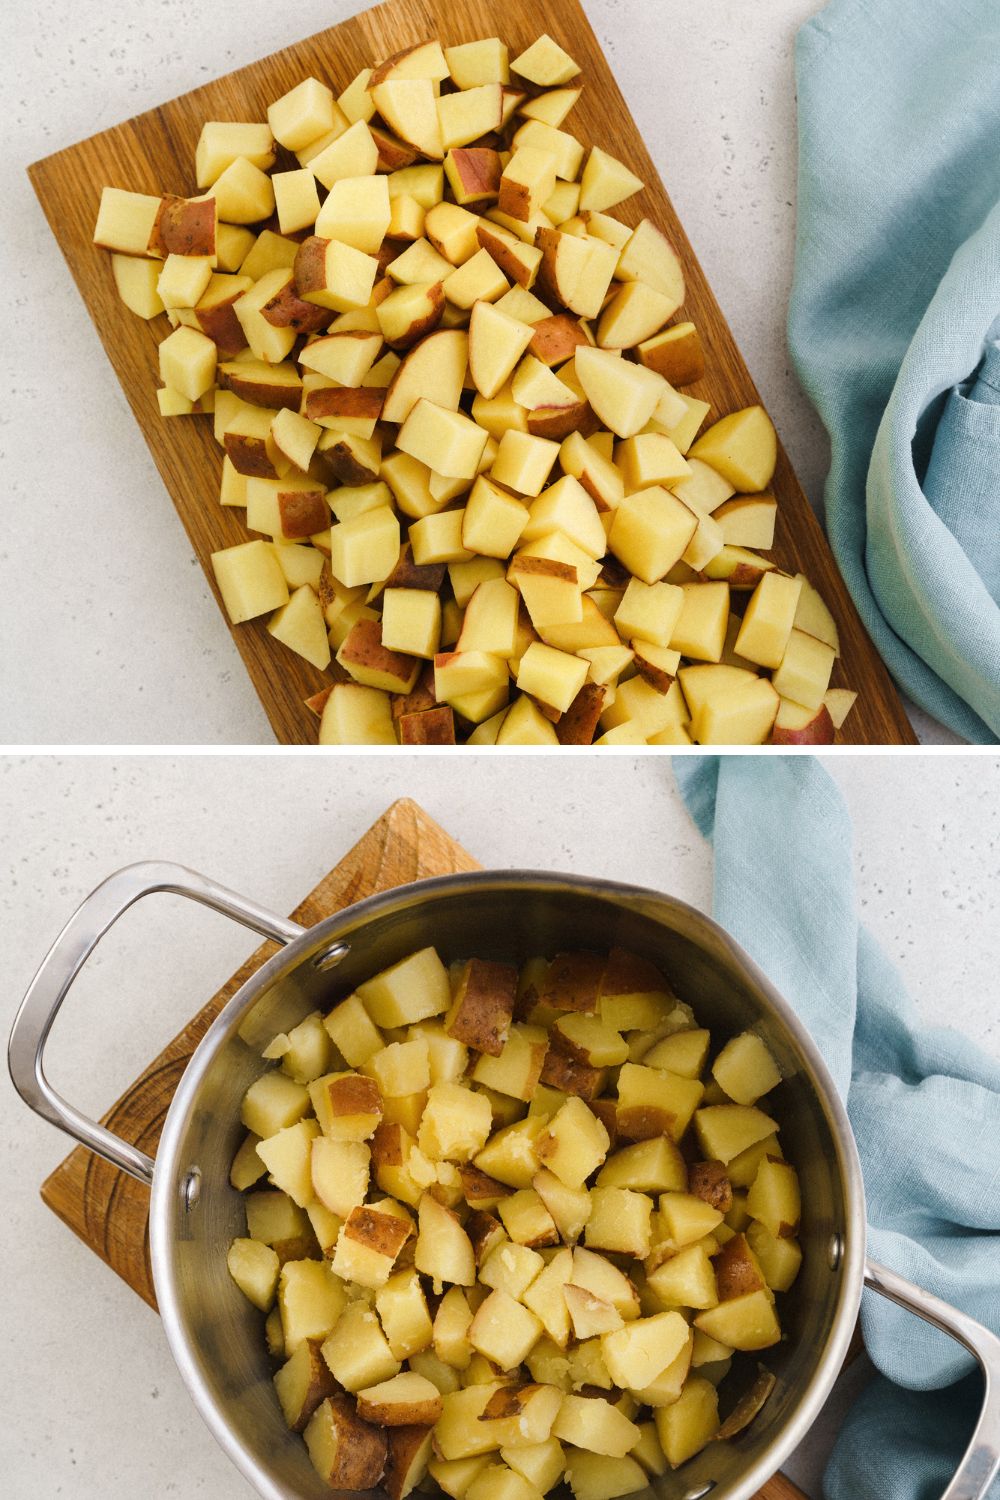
x=819 y=731
x=708 y=1180
x=364 y=646
x=259 y=392
x=556 y=338
x=547 y=566
x=302 y=513
x=183 y=227
x=220 y=323
x=405 y=1444
x=557 y=422
x=421 y=698
x=503 y=255
x=680 y=360
x=248 y=455
x=423 y=325
x=573 y=981
x=345 y=465
x=628 y=974
x=479 y=169
x=578 y=723
x=484 y=1005
x=560 y=1071
x=433 y=726
x=654 y=675
x=344 y=401
x=309 y=268
x=410 y=575
x=392 y=153
x=286 y=309
x=736 y=1272
x=317 y=702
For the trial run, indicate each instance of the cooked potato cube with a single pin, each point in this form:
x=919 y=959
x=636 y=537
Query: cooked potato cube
x=726 y=1130
x=747 y=1322
x=710 y=1181
x=593 y=1423
x=527 y=1220
x=450 y=1331
x=483 y=1006
x=353 y=1032
x=401 y=1068
x=402 y=1308
x=511 y=1268
x=619 y=1221
x=368 y=1245
x=455 y=1475
x=692 y=1421
x=273 y=1102
x=347 y=1453
x=455 y=1123
x=511 y=1155
x=444 y=1251
x=637 y=1353
x=412 y=990
x=587 y=1039
x=570 y=1207
x=254 y=1267
x=348 y=1106
x=302 y=1383
x=687 y=1217
x=746 y=1069
x=595 y=1476
x=652 y=1102
x=504 y=1330
x=247 y=1166
x=459 y=1432
x=774 y=1198
x=517 y=1069
x=311 y=1300
x=288 y=1158
x=357 y=1350
x=779 y=1259
x=573 y=1144
x=273 y=1219
x=650 y=1166
x=541 y=1464
x=591 y=1315
x=410 y=1449
x=596 y=1274
x=685 y=1280
x=403 y=1401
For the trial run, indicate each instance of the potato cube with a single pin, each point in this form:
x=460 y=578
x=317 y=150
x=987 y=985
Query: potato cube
x=411 y=621
x=272 y=1103
x=346 y=1452
x=247 y=1166
x=183 y=280
x=591 y=1315
x=545 y=63
x=688 y=1218
x=748 y=1322
x=685 y=1280
x=692 y=1421
x=527 y=1220
x=504 y=1330
x=401 y=1068
x=368 y=1245
x=774 y=1198
x=353 y=1032
x=651 y=1101
x=553 y=677
x=459 y=1432
x=594 y=1273
x=650 y=1166
x=767 y=622
x=619 y=1221
x=311 y=1300
x=541 y=1464
x=511 y=1269
x=804 y=674
x=573 y=1144
x=517 y=1067
x=357 y=1350
x=454 y=1476
x=727 y=1130
x=348 y=1105
x=187 y=362
x=411 y=990
x=450 y=1331
x=405 y=1400
x=410 y=1449
x=650 y=530
x=480 y=1014
x=305 y=113
x=302 y=1383
x=595 y=1476
x=455 y=1123
x=275 y=1220
x=637 y=1353
x=447 y=441
x=356 y=212
x=339 y=1173
x=745 y=1069
x=684 y=1052
x=444 y=1251
x=288 y=1157
x=779 y=1259
x=254 y=1267
x=570 y=1207
x=250 y=581
x=588 y=1040
x=125 y=221
x=594 y=1424
x=296 y=199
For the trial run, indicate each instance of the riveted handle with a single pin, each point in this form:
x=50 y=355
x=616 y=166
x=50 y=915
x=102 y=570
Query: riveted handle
x=67 y=956
x=981 y=1461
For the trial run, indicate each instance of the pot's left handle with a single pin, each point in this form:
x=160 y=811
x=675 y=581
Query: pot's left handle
x=67 y=956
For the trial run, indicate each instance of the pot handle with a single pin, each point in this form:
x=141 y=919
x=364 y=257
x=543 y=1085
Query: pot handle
x=67 y=956
x=981 y=1461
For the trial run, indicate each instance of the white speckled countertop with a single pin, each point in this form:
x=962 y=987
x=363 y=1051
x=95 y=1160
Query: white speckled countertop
x=134 y=650
x=93 y=1407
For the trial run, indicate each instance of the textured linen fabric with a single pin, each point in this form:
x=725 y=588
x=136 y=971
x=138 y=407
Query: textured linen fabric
x=924 y=1104
x=895 y=302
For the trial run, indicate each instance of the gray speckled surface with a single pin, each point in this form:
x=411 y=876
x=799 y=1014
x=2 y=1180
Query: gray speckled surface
x=134 y=651
x=93 y=1407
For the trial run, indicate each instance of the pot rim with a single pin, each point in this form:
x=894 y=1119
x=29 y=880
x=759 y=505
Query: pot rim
x=167 y=1197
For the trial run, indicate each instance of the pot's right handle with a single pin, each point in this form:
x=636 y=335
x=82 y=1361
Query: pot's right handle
x=981 y=1462
x=67 y=956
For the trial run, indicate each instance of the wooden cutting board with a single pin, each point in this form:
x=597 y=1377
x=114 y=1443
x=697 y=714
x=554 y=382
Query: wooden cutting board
x=109 y=1210
x=155 y=152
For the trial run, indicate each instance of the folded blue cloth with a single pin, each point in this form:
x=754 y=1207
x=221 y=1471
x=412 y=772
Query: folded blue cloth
x=896 y=300
x=924 y=1104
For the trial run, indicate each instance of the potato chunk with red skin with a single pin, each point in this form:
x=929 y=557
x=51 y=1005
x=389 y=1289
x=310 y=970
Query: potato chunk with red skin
x=348 y=1453
x=483 y=1007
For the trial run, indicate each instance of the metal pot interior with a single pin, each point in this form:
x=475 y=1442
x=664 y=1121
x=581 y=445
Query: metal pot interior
x=217 y=1337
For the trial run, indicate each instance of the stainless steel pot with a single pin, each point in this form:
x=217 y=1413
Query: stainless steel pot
x=214 y=1333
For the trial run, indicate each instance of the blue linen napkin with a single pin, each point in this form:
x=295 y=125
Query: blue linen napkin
x=924 y=1104
x=895 y=303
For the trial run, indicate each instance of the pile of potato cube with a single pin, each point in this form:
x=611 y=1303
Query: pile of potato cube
x=449 y=385
x=508 y=1227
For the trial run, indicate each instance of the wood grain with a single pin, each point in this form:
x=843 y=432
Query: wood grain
x=110 y=1211
x=155 y=151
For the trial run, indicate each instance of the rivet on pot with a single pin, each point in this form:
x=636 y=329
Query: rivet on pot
x=328 y=958
x=836 y=1251
x=191 y=1188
